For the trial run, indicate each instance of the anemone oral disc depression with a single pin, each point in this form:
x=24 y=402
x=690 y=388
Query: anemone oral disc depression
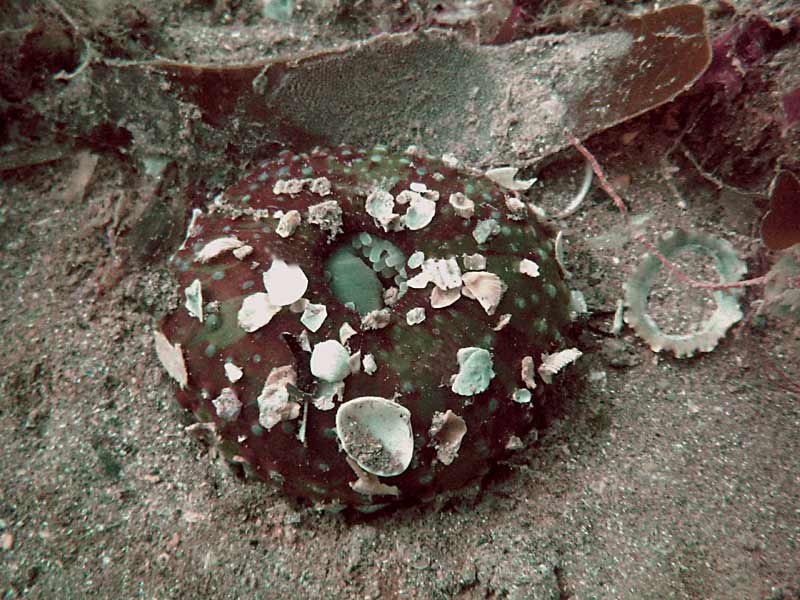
x=376 y=433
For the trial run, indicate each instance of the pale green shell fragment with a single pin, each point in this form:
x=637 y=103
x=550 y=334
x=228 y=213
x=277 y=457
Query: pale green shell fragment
x=475 y=371
x=485 y=229
x=194 y=300
x=314 y=316
x=521 y=396
x=330 y=361
x=376 y=433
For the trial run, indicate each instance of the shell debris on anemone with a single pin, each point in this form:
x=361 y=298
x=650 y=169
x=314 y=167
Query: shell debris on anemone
x=367 y=290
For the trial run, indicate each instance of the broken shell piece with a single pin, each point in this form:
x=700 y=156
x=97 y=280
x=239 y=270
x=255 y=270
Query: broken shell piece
x=475 y=371
x=346 y=331
x=243 y=252
x=487 y=288
x=485 y=229
x=376 y=433
x=327 y=216
x=444 y=272
x=447 y=430
x=370 y=366
x=522 y=396
x=527 y=372
x=711 y=331
x=171 y=358
x=474 y=262
x=327 y=392
x=415 y=316
x=284 y=283
x=553 y=363
x=314 y=316
x=257 y=310
x=504 y=177
x=529 y=268
x=227 y=404
x=194 y=300
x=516 y=208
x=368 y=484
x=420 y=213
x=288 y=186
x=463 y=206
x=273 y=403
x=380 y=206
x=442 y=298
x=330 y=361
x=514 y=443
x=376 y=319
x=320 y=186
x=216 y=247
x=416 y=259
x=504 y=320
x=288 y=223
x=232 y=372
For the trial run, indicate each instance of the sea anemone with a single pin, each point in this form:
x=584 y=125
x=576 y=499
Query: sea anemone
x=365 y=328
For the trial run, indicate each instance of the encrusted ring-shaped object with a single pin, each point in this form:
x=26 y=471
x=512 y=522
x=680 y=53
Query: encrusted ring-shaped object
x=637 y=294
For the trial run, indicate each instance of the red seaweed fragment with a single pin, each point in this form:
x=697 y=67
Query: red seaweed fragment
x=780 y=228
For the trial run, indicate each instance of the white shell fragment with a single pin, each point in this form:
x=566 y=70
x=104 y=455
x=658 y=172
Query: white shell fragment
x=326 y=393
x=420 y=213
x=504 y=320
x=227 y=404
x=485 y=229
x=527 y=372
x=346 y=331
x=553 y=363
x=446 y=431
x=370 y=366
x=216 y=247
x=516 y=208
x=368 y=484
x=475 y=371
x=463 y=206
x=242 y=252
x=232 y=372
x=314 y=316
x=288 y=186
x=288 y=223
x=380 y=206
x=194 y=300
x=320 y=186
x=273 y=403
x=504 y=177
x=284 y=283
x=444 y=272
x=529 y=268
x=171 y=358
x=521 y=396
x=444 y=298
x=415 y=316
x=376 y=433
x=327 y=216
x=487 y=288
x=376 y=319
x=257 y=310
x=330 y=361
x=474 y=262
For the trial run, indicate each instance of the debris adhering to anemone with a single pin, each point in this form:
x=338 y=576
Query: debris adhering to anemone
x=394 y=278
